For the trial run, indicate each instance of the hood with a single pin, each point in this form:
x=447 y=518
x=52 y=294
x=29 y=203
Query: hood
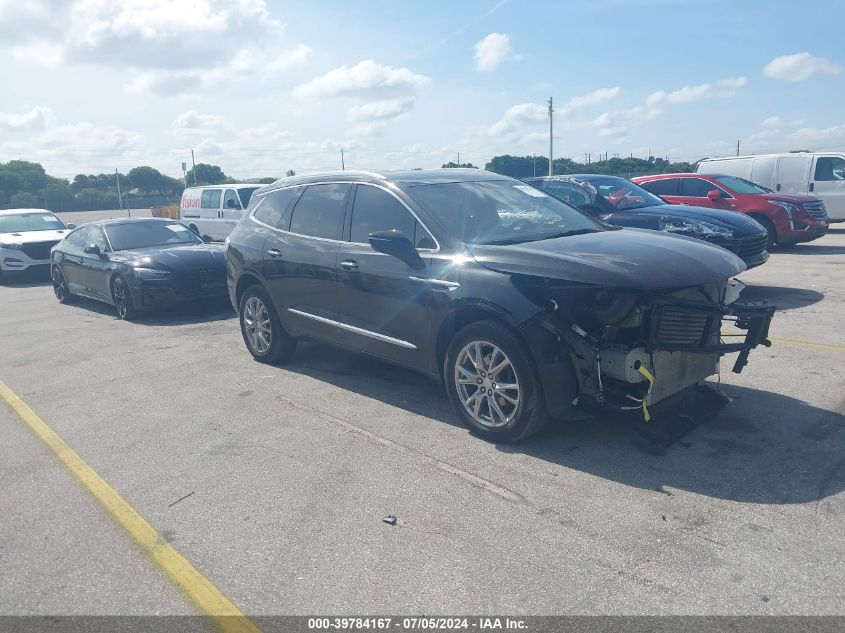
x=794 y=198
x=627 y=258
x=180 y=258
x=729 y=219
x=27 y=237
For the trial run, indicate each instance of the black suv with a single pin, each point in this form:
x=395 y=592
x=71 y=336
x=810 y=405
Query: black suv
x=523 y=306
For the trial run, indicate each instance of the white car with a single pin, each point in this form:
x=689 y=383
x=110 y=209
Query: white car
x=213 y=211
x=26 y=237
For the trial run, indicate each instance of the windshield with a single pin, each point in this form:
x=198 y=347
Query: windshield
x=624 y=195
x=145 y=234
x=499 y=212
x=741 y=185
x=23 y=222
x=245 y=195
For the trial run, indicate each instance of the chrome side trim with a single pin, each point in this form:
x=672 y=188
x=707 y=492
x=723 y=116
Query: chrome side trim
x=355 y=330
x=442 y=283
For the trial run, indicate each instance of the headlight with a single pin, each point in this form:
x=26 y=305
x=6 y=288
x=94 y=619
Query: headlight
x=12 y=247
x=151 y=273
x=786 y=206
x=697 y=228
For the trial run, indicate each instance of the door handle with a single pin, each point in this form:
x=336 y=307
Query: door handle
x=349 y=264
x=274 y=252
x=812 y=186
x=778 y=187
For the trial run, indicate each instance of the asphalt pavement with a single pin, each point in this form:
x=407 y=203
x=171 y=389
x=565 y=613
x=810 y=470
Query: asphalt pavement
x=273 y=481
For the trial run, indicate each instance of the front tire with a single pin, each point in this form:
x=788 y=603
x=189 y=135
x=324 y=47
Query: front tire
x=493 y=383
x=122 y=298
x=60 y=289
x=771 y=230
x=263 y=334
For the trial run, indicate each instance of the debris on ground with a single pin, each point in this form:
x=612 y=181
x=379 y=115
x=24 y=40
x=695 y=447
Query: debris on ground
x=390 y=519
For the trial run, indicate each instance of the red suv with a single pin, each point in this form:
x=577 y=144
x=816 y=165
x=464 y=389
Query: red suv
x=789 y=219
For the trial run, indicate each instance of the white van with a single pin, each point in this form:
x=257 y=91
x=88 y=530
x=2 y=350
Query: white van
x=213 y=211
x=820 y=174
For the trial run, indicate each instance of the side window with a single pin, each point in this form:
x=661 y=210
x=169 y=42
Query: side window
x=377 y=210
x=696 y=187
x=272 y=207
x=662 y=187
x=210 y=199
x=77 y=238
x=230 y=200
x=830 y=168
x=95 y=236
x=569 y=193
x=319 y=211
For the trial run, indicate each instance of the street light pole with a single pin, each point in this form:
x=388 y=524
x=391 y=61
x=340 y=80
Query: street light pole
x=551 y=137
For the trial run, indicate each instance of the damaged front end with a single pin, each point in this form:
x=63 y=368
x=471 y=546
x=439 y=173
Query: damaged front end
x=632 y=350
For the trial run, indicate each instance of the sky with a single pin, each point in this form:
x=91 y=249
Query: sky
x=263 y=86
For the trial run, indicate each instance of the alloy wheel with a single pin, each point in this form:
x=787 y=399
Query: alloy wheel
x=119 y=295
x=259 y=330
x=58 y=284
x=487 y=384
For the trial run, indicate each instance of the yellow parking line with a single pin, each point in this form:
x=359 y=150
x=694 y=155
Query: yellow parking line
x=197 y=587
x=798 y=342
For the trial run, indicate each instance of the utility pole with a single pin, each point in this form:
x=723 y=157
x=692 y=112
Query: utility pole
x=535 y=164
x=459 y=159
x=737 y=147
x=342 y=163
x=119 y=195
x=194 y=167
x=551 y=137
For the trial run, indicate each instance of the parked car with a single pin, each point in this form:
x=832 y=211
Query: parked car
x=213 y=211
x=137 y=265
x=819 y=174
x=622 y=203
x=520 y=303
x=789 y=219
x=26 y=237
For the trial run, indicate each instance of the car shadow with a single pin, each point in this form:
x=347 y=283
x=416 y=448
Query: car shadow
x=30 y=278
x=763 y=447
x=781 y=297
x=203 y=311
x=810 y=249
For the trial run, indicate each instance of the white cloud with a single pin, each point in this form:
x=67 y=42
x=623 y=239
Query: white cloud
x=366 y=79
x=686 y=94
x=812 y=135
x=514 y=118
x=593 y=98
x=37 y=118
x=491 y=51
x=613 y=131
x=380 y=110
x=772 y=122
x=167 y=47
x=800 y=67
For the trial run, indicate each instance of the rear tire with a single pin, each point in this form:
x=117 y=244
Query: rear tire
x=122 y=298
x=262 y=331
x=60 y=289
x=493 y=384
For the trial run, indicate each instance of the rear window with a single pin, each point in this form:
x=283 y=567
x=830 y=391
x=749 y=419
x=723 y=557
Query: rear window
x=272 y=207
x=319 y=211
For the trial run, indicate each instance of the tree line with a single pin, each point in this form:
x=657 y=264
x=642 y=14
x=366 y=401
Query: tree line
x=25 y=184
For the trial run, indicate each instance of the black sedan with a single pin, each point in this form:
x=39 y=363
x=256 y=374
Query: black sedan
x=622 y=203
x=137 y=265
x=523 y=306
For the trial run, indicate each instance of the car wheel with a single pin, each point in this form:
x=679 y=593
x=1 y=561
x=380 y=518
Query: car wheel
x=770 y=229
x=262 y=331
x=122 y=299
x=493 y=384
x=60 y=289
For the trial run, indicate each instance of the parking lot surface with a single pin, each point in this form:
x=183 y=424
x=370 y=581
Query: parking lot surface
x=273 y=481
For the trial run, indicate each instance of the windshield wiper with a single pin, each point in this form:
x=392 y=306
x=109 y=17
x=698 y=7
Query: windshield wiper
x=536 y=238
x=569 y=233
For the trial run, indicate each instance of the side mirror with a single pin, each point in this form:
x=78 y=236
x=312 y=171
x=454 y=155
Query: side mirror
x=395 y=243
x=71 y=226
x=714 y=194
x=93 y=249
